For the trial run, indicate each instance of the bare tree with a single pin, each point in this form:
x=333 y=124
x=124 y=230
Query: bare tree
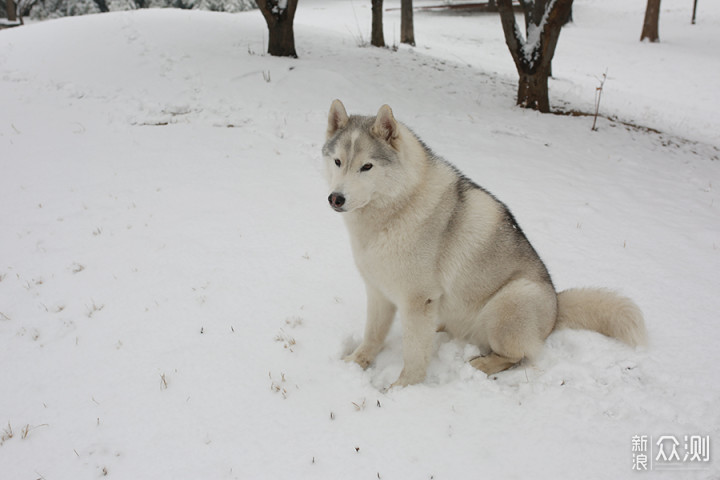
x=24 y=7
x=16 y=10
x=11 y=11
x=650 y=25
x=102 y=5
x=407 y=30
x=279 y=16
x=377 y=39
x=534 y=51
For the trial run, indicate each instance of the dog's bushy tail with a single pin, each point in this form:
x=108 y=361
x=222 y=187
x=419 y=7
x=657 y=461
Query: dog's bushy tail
x=603 y=311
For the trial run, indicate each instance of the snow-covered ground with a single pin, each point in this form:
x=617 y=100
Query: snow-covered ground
x=176 y=295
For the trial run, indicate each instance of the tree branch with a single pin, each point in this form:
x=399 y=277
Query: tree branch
x=556 y=18
x=513 y=37
x=531 y=54
x=273 y=13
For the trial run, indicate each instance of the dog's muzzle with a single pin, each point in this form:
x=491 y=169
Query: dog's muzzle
x=337 y=200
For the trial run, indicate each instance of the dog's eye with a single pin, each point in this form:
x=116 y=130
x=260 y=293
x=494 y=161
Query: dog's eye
x=366 y=167
x=337 y=162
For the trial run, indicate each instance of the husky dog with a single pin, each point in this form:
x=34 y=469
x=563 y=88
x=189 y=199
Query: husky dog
x=446 y=255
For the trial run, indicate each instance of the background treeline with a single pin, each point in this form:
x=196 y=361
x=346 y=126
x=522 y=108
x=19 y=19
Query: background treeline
x=44 y=9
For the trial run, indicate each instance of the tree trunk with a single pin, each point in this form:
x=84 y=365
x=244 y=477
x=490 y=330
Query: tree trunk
x=102 y=6
x=533 y=52
x=377 y=39
x=281 y=42
x=407 y=31
x=11 y=12
x=280 y=26
x=533 y=90
x=650 y=25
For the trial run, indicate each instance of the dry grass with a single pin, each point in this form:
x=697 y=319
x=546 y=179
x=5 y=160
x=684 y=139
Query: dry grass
x=278 y=386
x=93 y=309
x=359 y=406
x=287 y=340
x=8 y=432
x=598 y=95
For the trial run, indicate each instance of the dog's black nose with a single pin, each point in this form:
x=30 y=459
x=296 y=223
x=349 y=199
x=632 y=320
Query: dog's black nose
x=336 y=200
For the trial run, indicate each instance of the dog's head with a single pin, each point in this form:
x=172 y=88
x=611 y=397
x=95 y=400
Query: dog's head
x=361 y=157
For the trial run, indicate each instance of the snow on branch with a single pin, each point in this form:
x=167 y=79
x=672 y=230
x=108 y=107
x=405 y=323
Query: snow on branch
x=532 y=46
x=541 y=32
x=277 y=9
x=279 y=6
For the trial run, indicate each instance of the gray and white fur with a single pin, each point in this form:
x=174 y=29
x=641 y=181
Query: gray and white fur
x=445 y=254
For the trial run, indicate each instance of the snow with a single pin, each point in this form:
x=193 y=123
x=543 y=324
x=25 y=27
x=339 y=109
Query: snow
x=531 y=46
x=176 y=295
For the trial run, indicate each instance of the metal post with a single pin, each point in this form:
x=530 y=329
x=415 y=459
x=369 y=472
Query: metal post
x=694 y=11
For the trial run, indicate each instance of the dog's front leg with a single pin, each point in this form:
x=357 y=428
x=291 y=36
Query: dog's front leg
x=380 y=314
x=419 y=319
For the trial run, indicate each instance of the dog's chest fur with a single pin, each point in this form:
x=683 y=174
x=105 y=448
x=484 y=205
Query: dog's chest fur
x=398 y=256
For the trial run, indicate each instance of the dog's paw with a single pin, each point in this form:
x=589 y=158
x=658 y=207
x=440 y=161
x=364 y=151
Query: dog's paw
x=359 y=358
x=395 y=385
x=408 y=378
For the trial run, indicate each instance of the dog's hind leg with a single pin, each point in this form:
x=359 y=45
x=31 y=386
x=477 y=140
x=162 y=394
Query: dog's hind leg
x=517 y=320
x=493 y=363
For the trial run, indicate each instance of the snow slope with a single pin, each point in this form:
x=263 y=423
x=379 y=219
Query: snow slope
x=176 y=296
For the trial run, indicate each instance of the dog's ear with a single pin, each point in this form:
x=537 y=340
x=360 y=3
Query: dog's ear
x=385 y=126
x=337 y=118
